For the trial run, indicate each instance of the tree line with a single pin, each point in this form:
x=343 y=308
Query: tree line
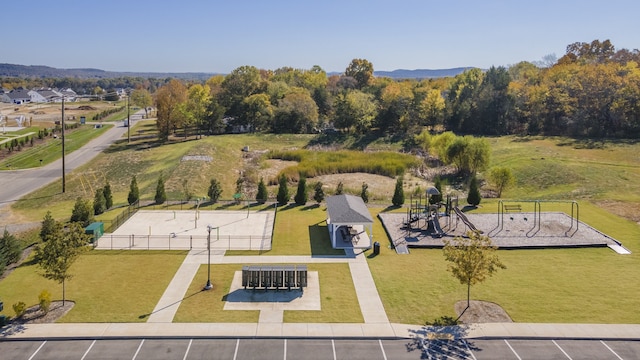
x=591 y=91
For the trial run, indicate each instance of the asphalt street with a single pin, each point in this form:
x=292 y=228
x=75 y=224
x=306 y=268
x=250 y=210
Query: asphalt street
x=15 y=184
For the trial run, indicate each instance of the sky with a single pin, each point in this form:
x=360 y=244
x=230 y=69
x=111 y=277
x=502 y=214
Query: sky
x=218 y=36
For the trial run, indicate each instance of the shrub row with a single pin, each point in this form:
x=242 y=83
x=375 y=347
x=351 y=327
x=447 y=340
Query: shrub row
x=105 y=113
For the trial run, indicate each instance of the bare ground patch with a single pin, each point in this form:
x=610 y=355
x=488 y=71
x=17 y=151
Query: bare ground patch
x=626 y=210
x=481 y=312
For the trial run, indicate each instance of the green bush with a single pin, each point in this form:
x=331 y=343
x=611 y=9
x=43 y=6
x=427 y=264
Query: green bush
x=19 y=308
x=44 y=301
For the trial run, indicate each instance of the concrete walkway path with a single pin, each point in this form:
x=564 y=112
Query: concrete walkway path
x=168 y=305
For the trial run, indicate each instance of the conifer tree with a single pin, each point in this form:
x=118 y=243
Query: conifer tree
x=108 y=196
x=262 y=194
x=473 y=198
x=318 y=193
x=398 y=194
x=301 y=195
x=161 y=195
x=283 y=191
x=134 y=193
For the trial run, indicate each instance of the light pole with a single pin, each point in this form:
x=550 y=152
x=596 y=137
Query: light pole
x=208 y=286
x=63 y=167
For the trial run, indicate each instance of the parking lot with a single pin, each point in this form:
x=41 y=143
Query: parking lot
x=312 y=349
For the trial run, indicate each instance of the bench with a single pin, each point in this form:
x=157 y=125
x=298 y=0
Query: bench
x=512 y=208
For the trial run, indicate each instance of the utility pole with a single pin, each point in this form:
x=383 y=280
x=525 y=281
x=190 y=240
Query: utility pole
x=62 y=137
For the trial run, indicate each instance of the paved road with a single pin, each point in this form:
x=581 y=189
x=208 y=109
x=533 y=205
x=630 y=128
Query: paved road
x=312 y=349
x=15 y=184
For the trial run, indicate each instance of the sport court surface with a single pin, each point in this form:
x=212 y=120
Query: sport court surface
x=188 y=229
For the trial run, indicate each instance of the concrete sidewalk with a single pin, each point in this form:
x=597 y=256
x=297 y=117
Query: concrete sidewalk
x=320 y=330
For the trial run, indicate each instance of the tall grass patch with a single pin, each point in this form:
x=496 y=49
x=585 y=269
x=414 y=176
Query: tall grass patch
x=316 y=163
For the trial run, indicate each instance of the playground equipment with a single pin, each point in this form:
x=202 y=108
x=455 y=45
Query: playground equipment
x=460 y=215
x=428 y=212
x=511 y=206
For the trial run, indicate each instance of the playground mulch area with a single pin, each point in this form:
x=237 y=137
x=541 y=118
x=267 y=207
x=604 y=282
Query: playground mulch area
x=516 y=230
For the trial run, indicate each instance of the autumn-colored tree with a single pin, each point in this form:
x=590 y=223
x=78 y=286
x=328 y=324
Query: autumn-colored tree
x=361 y=70
x=170 y=101
x=472 y=259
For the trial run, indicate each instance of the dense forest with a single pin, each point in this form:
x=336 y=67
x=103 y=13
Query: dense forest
x=591 y=91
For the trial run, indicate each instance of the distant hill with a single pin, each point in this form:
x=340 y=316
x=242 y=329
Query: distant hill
x=40 y=71
x=421 y=73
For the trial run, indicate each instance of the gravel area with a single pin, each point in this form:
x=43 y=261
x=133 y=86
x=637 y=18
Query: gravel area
x=515 y=230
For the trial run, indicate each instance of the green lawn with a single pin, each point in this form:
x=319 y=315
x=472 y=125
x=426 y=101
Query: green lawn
x=338 y=298
x=553 y=285
x=108 y=286
x=550 y=285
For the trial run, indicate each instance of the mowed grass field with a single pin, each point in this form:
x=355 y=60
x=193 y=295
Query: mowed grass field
x=107 y=286
x=551 y=285
x=338 y=298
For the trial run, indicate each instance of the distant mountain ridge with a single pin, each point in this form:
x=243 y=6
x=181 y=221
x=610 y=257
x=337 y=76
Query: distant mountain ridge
x=421 y=73
x=41 y=71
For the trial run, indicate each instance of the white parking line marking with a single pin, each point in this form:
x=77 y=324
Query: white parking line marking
x=468 y=350
x=565 y=354
x=89 y=349
x=137 y=351
x=187 y=352
x=610 y=349
x=514 y=352
x=384 y=355
x=235 y=354
x=285 y=349
x=333 y=345
x=437 y=351
x=38 y=349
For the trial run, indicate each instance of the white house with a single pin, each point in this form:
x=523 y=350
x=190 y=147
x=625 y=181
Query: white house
x=16 y=96
x=44 y=95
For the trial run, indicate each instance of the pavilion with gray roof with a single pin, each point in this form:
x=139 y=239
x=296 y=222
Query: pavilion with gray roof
x=348 y=220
